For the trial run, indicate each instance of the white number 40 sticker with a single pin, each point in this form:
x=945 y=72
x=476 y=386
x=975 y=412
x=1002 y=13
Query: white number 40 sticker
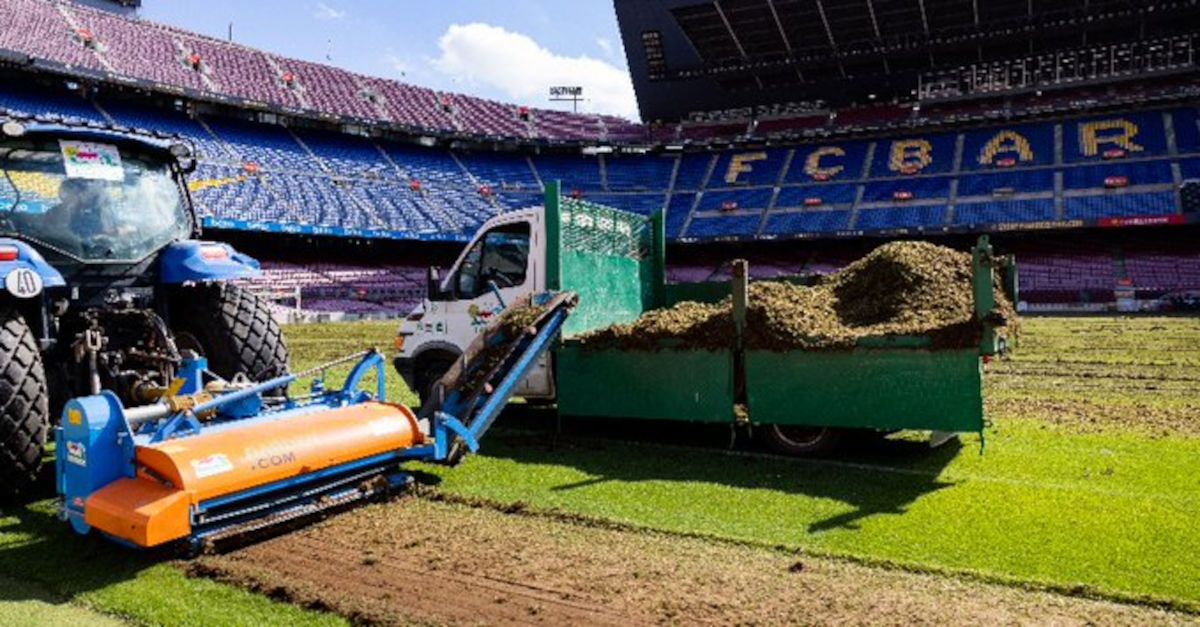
x=23 y=283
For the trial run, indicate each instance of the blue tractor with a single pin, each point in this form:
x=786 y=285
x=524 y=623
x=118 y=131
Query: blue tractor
x=105 y=285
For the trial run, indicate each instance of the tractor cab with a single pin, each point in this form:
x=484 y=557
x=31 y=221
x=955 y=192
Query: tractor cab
x=104 y=287
x=85 y=197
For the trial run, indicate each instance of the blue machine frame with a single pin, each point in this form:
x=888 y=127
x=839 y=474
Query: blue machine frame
x=98 y=436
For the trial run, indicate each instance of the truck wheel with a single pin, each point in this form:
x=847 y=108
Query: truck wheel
x=429 y=373
x=801 y=441
x=24 y=408
x=232 y=327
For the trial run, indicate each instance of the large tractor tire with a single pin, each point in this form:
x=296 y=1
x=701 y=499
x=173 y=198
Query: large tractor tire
x=232 y=327
x=24 y=406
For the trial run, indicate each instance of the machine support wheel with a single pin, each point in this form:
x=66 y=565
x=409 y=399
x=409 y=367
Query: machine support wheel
x=429 y=374
x=232 y=327
x=801 y=441
x=24 y=406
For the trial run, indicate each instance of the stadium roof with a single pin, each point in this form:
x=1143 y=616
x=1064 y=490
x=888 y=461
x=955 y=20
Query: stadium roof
x=688 y=55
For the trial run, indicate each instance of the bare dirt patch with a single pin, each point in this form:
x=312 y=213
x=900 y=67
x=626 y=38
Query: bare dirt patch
x=415 y=560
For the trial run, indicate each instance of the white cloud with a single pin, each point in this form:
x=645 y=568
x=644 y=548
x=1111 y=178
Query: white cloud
x=524 y=70
x=325 y=12
x=398 y=64
x=606 y=45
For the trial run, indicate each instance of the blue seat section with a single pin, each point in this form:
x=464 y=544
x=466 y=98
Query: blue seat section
x=1119 y=205
x=902 y=217
x=402 y=208
x=54 y=103
x=576 y=172
x=921 y=188
x=691 y=171
x=1138 y=172
x=1006 y=211
x=171 y=122
x=982 y=149
x=500 y=170
x=757 y=198
x=345 y=154
x=226 y=192
x=1187 y=130
x=644 y=204
x=724 y=226
x=830 y=194
x=459 y=212
x=677 y=213
x=807 y=222
x=521 y=200
x=267 y=145
x=639 y=172
x=748 y=167
x=851 y=157
x=316 y=199
x=1190 y=168
x=429 y=166
x=1142 y=132
x=1020 y=181
x=938 y=150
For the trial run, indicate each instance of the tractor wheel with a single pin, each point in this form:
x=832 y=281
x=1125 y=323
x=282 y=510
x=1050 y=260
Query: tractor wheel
x=24 y=408
x=232 y=327
x=801 y=441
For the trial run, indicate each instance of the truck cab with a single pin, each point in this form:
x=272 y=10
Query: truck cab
x=503 y=261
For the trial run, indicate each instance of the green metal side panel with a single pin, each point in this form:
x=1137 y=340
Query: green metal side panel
x=609 y=258
x=869 y=388
x=707 y=292
x=664 y=385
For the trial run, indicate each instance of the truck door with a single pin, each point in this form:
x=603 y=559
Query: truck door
x=499 y=256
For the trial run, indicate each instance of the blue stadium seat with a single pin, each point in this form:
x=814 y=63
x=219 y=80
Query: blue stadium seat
x=1150 y=136
x=757 y=198
x=999 y=212
x=984 y=148
x=830 y=194
x=1115 y=205
x=677 y=212
x=1138 y=172
x=938 y=150
x=921 y=188
x=639 y=172
x=499 y=170
x=747 y=168
x=1020 y=181
x=691 y=171
x=800 y=222
x=644 y=204
x=345 y=154
x=576 y=172
x=724 y=226
x=825 y=156
x=267 y=145
x=904 y=217
x=1189 y=168
x=1187 y=130
x=31 y=101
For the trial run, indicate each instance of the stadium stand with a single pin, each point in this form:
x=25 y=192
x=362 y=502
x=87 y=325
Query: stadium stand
x=288 y=146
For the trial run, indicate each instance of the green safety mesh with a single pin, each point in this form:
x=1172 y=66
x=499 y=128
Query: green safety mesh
x=607 y=257
x=593 y=228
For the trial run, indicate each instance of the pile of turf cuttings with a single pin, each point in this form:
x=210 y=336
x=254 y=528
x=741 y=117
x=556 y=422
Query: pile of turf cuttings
x=901 y=288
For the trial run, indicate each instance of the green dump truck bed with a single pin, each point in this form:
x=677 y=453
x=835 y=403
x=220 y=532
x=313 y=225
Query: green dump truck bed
x=615 y=261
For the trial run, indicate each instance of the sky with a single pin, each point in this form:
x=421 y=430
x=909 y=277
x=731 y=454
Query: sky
x=506 y=50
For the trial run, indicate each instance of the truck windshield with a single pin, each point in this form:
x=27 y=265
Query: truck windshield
x=92 y=201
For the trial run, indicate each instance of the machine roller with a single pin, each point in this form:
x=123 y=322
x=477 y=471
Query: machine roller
x=213 y=459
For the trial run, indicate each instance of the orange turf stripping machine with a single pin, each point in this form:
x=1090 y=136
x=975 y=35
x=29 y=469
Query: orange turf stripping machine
x=215 y=459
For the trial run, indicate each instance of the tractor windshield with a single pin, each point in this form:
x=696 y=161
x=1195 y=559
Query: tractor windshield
x=89 y=200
